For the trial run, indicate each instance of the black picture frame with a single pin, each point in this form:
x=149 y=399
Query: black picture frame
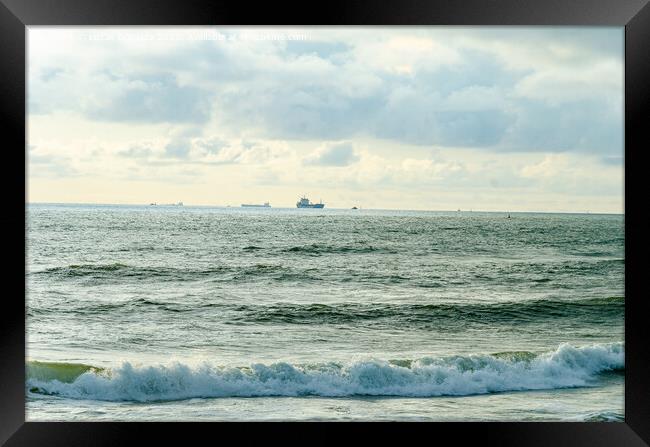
x=15 y=15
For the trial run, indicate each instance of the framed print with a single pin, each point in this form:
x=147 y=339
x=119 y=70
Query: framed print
x=421 y=215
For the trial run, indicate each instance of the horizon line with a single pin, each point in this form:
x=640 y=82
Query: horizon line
x=330 y=208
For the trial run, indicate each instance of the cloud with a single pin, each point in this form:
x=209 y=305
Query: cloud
x=567 y=173
x=152 y=99
x=497 y=88
x=185 y=146
x=50 y=73
x=50 y=165
x=320 y=49
x=615 y=161
x=339 y=154
x=136 y=151
x=212 y=145
x=178 y=148
x=584 y=126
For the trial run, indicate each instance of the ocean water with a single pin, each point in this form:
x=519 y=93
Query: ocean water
x=196 y=313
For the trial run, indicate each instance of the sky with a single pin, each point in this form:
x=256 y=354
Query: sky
x=418 y=118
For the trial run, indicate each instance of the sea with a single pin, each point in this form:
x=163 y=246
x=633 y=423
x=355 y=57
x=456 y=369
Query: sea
x=183 y=313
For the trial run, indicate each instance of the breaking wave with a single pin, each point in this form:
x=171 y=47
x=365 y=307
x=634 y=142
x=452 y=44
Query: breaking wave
x=566 y=367
x=603 y=416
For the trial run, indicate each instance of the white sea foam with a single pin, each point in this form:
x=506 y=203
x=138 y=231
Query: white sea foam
x=568 y=366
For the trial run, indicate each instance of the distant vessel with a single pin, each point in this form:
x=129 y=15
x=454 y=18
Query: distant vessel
x=247 y=205
x=166 y=204
x=305 y=203
x=355 y=208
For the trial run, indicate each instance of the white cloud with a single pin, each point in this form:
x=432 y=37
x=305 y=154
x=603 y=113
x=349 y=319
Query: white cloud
x=405 y=54
x=566 y=84
x=337 y=154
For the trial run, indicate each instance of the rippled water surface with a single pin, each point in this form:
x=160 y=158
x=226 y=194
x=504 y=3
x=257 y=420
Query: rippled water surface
x=191 y=313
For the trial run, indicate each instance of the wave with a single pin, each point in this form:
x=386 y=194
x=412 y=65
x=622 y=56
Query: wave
x=62 y=372
x=118 y=271
x=594 y=310
x=603 y=416
x=566 y=367
x=316 y=249
x=555 y=274
x=124 y=271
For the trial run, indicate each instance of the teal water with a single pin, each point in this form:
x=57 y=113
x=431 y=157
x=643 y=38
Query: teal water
x=195 y=313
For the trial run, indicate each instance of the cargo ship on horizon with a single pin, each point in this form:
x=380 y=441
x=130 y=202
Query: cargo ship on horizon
x=305 y=203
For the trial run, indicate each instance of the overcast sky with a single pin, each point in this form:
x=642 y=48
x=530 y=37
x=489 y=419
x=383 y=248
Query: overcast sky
x=439 y=118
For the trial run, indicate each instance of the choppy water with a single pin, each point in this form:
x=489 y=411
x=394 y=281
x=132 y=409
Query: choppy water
x=190 y=313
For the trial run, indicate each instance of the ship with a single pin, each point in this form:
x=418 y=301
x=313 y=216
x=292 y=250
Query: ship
x=305 y=203
x=166 y=204
x=248 y=205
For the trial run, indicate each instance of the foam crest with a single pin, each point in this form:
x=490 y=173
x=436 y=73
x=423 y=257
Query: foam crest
x=566 y=367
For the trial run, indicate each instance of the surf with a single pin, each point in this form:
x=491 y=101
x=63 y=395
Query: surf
x=567 y=366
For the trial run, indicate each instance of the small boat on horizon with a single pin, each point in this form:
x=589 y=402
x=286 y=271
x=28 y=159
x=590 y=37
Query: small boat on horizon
x=166 y=204
x=248 y=205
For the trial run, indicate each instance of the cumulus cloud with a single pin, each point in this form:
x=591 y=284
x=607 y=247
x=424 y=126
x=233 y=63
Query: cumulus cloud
x=212 y=145
x=339 y=154
x=493 y=88
x=150 y=99
x=103 y=95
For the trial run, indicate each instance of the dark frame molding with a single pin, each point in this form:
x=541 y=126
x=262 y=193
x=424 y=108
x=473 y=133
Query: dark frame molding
x=16 y=15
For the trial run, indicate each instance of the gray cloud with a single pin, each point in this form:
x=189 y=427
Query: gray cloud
x=154 y=99
x=136 y=98
x=614 y=160
x=577 y=126
x=319 y=90
x=424 y=114
x=178 y=148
